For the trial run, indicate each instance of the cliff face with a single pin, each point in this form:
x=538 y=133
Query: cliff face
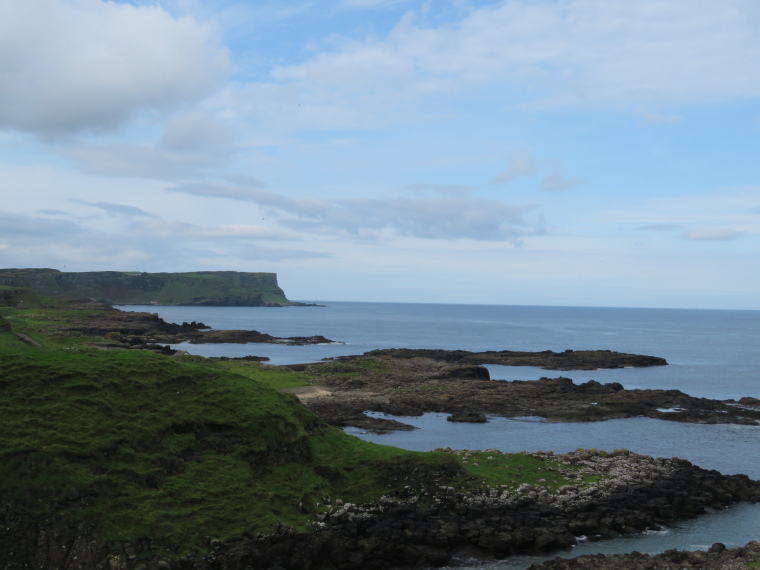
x=219 y=288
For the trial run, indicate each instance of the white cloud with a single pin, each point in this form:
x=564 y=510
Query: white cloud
x=725 y=208
x=660 y=227
x=555 y=181
x=195 y=131
x=361 y=4
x=116 y=209
x=587 y=52
x=446 y=219
x=648 y=118
x=141 y=160
x=35 y=230
x=521 y=163
x=427 y=218
x=157 y=245
x=251 y=190
x=175 y=229
x=524 y=164
x=69 y=66
x=447 y=190
x=713 y=234
x=193 y=143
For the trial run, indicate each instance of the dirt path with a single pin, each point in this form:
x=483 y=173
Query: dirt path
x=308 y=392
x=27 y=338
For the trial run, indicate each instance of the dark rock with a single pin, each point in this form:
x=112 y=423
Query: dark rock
x=749 y=401
x=716 y=558
x=400 y=534
x=469 y=417
x=410 y=385
x=568 y=360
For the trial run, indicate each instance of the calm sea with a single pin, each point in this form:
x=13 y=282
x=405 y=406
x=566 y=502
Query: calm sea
x=712 y=353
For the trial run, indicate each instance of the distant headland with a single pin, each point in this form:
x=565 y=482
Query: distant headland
x=209 y=288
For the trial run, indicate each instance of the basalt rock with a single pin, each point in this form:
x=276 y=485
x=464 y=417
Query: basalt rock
x=429 y=527
x=468 y=417
x=718 y=557
x=635 y=493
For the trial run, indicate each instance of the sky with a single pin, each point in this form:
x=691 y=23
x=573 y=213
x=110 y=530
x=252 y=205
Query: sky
x=519 y=152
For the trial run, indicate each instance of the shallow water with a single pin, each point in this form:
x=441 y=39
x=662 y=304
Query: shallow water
x=726 y=448
x=733 y=527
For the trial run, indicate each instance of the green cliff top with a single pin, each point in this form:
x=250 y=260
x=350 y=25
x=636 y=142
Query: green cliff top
x=218 y=288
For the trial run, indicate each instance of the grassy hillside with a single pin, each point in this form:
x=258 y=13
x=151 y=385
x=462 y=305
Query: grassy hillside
x=141 y=444
x=135 y=445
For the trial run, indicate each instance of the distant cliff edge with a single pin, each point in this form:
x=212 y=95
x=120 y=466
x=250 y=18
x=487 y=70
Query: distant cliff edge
x=213 y=288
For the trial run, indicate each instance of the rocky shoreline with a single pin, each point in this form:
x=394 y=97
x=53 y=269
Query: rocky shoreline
x=435 y=527
x=718 y=557
x=148 y=331
x=411 y=386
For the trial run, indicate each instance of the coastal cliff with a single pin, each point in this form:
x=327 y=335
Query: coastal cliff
x=216 y=288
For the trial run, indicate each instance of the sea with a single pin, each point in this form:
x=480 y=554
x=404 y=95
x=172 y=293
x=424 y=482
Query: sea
x=711 y=354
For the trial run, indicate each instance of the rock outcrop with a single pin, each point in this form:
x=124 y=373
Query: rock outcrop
x=547 y=359
x=435 y=527
x=412 y=386
x=137 y=330
x=633 y=493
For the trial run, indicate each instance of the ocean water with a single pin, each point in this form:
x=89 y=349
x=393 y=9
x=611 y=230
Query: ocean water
x=711 y=353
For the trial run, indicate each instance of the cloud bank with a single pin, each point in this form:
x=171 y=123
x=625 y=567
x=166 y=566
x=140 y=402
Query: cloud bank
x=426 y=218
x=86 y=65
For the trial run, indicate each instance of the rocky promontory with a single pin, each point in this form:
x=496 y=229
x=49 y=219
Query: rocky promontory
x=138 y=330
x=411 y=386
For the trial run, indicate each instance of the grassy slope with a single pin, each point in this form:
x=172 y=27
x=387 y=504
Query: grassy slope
x=137 y=444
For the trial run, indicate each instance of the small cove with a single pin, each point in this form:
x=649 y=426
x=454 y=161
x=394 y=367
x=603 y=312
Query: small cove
x=726 y=448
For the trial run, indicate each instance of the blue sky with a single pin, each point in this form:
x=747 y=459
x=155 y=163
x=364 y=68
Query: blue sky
x=573 y=152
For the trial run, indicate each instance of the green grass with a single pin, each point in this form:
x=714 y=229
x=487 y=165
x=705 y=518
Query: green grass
x=515 y=469
x=136 y=444
x=12 y=296
x=271 y=376
x=147 y=435
x=45 y=325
